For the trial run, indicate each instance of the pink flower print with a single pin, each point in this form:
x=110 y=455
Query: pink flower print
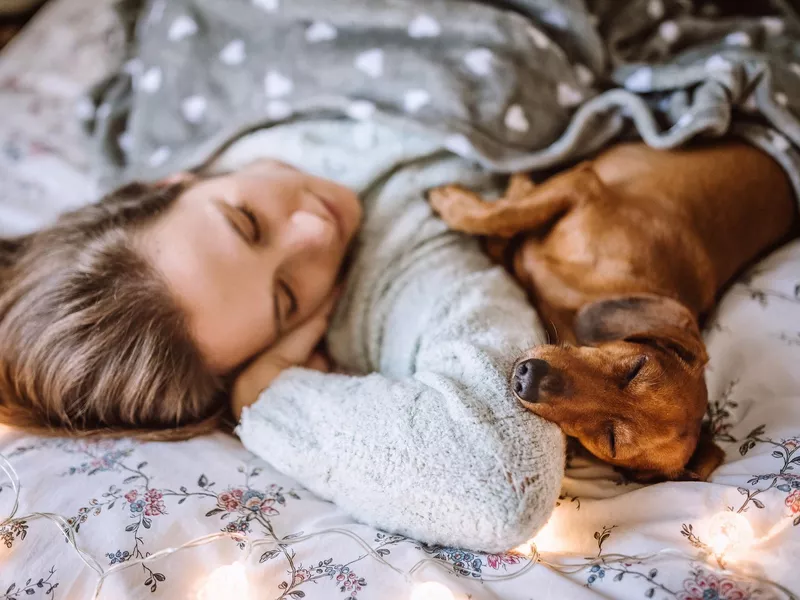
x=240 y=525
x=227 y=501
x=132 y=495
x=707 y=586
x=301 y=575
x=349 y=581
x=495 y=561
x=793 y=502
x=791 y=444
x=266 y=507
x=155 y=503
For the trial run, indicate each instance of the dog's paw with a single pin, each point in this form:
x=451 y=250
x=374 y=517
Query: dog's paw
x=453 y=203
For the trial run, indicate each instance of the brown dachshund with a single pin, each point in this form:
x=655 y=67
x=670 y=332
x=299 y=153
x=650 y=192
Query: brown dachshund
x=622 y=256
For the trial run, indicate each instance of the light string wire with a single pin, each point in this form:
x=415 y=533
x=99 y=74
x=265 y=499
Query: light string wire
x=534 y=557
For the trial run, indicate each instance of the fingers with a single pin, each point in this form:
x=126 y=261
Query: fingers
x=319 y=362
x=297 y=346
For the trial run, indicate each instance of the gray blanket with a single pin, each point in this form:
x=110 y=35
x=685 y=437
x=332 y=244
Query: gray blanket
x=514 y=85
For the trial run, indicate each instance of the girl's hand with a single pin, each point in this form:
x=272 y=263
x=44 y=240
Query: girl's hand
x=296 y=349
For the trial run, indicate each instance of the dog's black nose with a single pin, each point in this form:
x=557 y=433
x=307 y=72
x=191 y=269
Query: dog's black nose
x=527 y=377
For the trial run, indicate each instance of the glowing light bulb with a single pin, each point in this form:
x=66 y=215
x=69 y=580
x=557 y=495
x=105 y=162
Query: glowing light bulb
x=229 y=581
x=431 y=590
x=525 y=549
x=549 y=539
x=729 y=532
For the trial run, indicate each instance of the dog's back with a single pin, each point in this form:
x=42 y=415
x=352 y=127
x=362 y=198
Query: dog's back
x=734 y=199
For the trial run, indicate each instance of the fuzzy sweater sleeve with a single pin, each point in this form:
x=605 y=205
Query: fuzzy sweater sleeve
x=428 y=442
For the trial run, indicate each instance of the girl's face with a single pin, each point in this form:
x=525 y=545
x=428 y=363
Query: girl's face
x=249 y=255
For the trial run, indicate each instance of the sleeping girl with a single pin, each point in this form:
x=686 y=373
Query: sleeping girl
x=167 y=306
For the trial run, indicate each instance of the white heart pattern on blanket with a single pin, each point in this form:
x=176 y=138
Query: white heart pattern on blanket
x=773 y=25
x=277 y=85
x=268 y=5
x=320 y=31
x=780 y=141
x=424 y=26
x=181 y=28
x=516 y=119
x=568 y=95
x=159 y=157
x=133 y=67
x=84 y=109
x=669 y=31
x=415 y=99
x=193 y=108
x=278 y=110
x=125 y=141
x=738 y=38
x=640 y=80
x=371 y=62
x=479 y=61
x=150 y=81
x=555 y=18
x=361 y=110
x=233 y=53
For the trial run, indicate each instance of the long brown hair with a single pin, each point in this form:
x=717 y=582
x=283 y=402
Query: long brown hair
x=91 y=341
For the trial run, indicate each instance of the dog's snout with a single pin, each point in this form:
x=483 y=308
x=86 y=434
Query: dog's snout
x=527 y=377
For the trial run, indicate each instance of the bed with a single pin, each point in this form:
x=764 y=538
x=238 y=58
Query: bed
x=126 y=500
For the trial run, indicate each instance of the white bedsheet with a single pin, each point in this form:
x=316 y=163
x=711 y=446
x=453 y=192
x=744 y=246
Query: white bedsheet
x=128 y=499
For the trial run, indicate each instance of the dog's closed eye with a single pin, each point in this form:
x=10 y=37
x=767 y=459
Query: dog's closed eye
x=634 y=370
x=612 y=441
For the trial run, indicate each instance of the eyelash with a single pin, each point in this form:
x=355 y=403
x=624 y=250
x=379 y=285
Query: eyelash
x=250 y=216
x=612 y=441
x=635 y=370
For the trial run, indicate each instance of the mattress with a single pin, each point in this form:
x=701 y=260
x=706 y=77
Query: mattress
x=125 y=500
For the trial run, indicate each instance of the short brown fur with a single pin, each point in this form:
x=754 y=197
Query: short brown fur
x=623 y=255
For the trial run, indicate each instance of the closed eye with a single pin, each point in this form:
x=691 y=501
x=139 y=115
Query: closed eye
x=612 y=442
x=241 y=219
x=255 y=228
x=634 y=370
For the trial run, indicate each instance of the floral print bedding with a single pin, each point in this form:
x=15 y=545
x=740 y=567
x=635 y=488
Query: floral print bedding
x=125 y=500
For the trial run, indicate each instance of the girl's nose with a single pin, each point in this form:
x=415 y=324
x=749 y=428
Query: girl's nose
x=305 y=231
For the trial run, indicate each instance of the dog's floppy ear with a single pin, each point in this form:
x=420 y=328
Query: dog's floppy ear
x=706 y=458
x=644 y=318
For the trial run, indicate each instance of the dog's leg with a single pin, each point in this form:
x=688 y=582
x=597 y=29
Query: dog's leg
x=524 y=208
x=519 y=186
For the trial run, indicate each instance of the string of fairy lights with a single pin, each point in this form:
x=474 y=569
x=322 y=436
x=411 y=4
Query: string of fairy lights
x=730 y=533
